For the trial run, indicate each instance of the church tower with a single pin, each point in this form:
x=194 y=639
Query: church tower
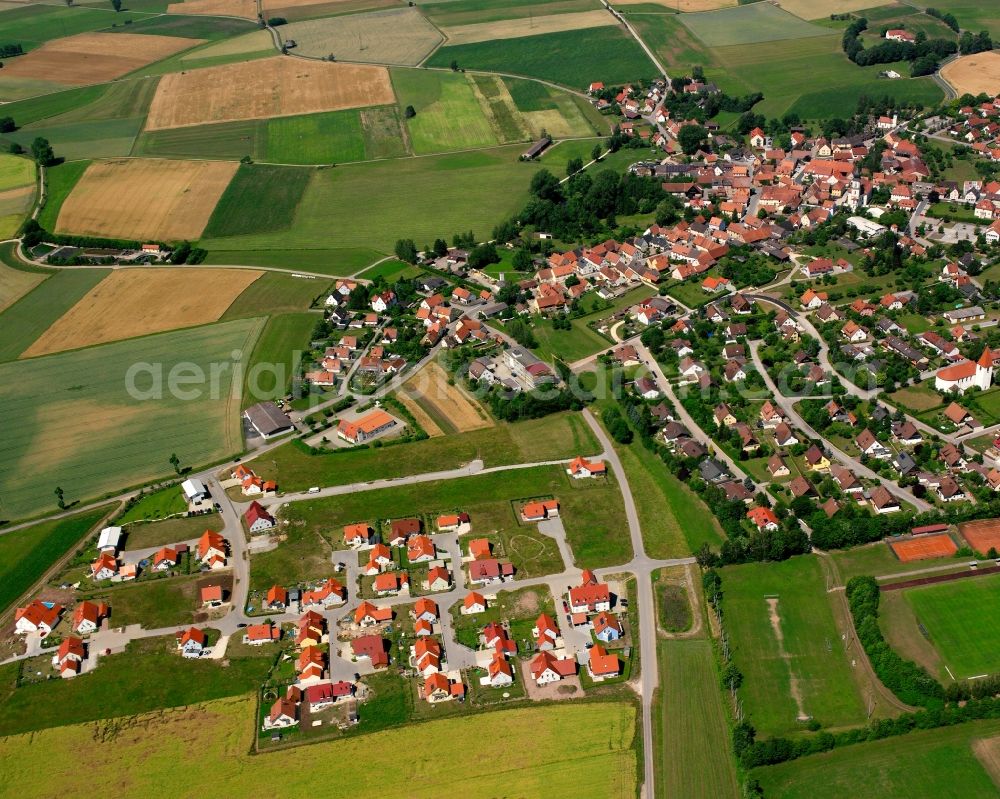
x=984 y=370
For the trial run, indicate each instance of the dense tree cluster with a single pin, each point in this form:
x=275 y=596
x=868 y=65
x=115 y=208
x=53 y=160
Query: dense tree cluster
x=925 y=54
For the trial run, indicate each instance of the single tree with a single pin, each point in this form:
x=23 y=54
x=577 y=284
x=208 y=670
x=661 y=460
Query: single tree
x=15 y=148
x=573 y=166
x=175 y=462
x=42 y=152
x=406 y=250
x=454 y=65
x=595 y=154
x=60 y=497
x=440 y=248
x=691 y=138
x=7 y=125
x=521 y=260
x=116 y=5
x=410 y=112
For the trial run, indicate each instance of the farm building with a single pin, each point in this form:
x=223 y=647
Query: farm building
x=267 y=419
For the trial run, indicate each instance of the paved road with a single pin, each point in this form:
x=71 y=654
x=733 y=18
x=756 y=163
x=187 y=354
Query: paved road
x=787 y=404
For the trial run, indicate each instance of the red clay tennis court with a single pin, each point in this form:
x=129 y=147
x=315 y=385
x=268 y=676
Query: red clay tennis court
x=932 y=546
x=982 y=535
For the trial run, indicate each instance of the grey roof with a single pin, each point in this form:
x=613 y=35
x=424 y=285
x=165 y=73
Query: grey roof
x=267 y=419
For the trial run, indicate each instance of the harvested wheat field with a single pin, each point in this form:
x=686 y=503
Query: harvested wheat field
x=533 y=26
x=449 y=407
x=273 y=87
x=94 y=57
x=254 y=42
x=820 y=9
x=687 y=5
x=145 y=199
x=398 y=36
x=137 y=302
x=974 y=73
x=216 y=8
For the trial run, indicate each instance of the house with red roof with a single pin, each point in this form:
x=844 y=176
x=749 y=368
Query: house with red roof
x=258 y=519
x=164 y=559
x=438 y=578
x=192 y=642
x=276 y=598
x=372 y=647
x=420 y=549
x=601 y=664
x=69 y=657
x=283 y=714
x=499 y=672
x=358 y=535
x=474 y=602
x=367 y=615
x=438 y=687
x=590 y=596
x=105 y=567
x=37 y=617
x=87 y=616
x=310 y=663
x=546 y=668
x=545 y=632
x=580 y=467
x=495 y=636
x=480 y=549
x=454 y=523
x=211 y=596
x=966 y=374
x=309 y=629
x=538 y=511
x=607 y=627
x=391 y=583
x=426 y=652
x=489 y=571
x=260 y=634
x=379 y=560
x=330 y=593
x=212 y=550
x=764 y=518
x=425 y=609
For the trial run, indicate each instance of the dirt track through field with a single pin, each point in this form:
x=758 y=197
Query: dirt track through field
x=272 y=87
x=137 y=302
x=974 y=73
x=532 y=26
x=147 y=199
x=793 y=681
x=94 y=57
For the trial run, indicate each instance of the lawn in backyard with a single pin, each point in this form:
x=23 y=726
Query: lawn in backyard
x=124 y=425
x=787 y=645
x=158 y=504
x=962 y=619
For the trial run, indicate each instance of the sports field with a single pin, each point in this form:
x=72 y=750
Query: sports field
x=71 y=421
x=973 y=74
x=982 y=535
x=392 y=36
x=491 y=183
x=787 y=645
x=749 y=24
x=577 y=749
x=138 y=302
x=145 y=199
x=570 y=58
x=530 y=26
x=962 y=619
x=931 y=764
x=264 y=89
x=924 y=547
x=93 y=57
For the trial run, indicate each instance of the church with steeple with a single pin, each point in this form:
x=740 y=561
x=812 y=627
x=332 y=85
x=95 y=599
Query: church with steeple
x=967 y=374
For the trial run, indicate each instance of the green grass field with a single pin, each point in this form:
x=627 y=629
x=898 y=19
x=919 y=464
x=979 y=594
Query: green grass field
x=392 y=271
x=963 y=623
x=558 y=436
x=26 y=554
x=101 y=695
x=167 y=531
x=972 y=15
x=490 y=183
x=156 y=505
x=667 y=36
x=571 y=58
x=72 y=418
x=15 y=172
x=340 y=261
x=449 y=116
x=931 y=764
x=77 y=140
x=577 y=749
x=272 y=364
x=33 y=25
x=189 y=27
x=29 y=317
x=316 y=138
x=259 y=199
x=227 y=140
x=25 y=112
x=593 y=514
x=748 y=24
x=274 y=292
x=59 y=182
x=811 y=655
x=469 y=12
x=693 y=757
